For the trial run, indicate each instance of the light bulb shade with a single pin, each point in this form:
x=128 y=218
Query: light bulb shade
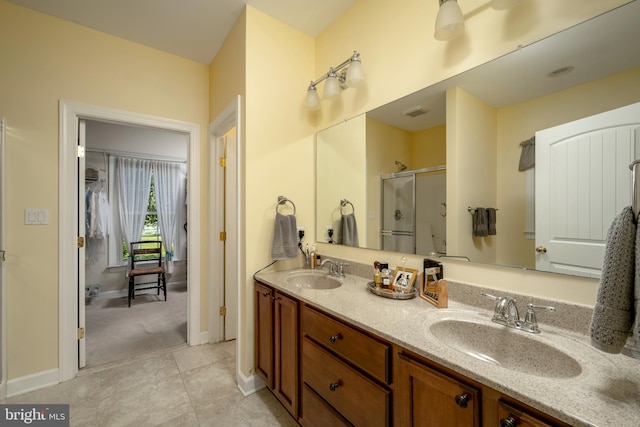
x=355 y=74
x=503 y=4
x=312 y=100
x=449 y=22
x=331 y=87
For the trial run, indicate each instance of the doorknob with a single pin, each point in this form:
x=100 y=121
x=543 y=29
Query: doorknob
x=541 y=250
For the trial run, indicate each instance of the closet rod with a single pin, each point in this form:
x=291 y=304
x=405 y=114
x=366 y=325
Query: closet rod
x=135 y=155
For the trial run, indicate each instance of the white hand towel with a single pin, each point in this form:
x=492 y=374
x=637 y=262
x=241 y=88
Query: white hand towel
x=613 y=313
x=285 y=233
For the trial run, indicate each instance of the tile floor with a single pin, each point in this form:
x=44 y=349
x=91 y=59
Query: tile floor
x=179 y=386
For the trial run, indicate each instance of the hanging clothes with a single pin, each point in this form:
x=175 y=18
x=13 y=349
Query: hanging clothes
x=97 y=217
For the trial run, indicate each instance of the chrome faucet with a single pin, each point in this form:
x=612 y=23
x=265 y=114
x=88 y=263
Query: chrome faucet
x=506 y=313
x=336 y=268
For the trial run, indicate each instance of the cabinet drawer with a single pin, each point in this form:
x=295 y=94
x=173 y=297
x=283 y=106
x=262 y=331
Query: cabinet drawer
x=318 y=413
x=360 y=400
x=365 y=352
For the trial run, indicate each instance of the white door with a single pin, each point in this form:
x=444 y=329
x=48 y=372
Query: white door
x=224 y=248
x=82 y=126
x=582 y=182
x=231 y=243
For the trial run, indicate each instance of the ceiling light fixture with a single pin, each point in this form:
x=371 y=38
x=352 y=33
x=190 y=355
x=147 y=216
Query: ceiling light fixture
x=450 y=22
x=347 y=74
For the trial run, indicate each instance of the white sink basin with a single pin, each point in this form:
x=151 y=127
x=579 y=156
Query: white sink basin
x=312 y=279
x=476 y=336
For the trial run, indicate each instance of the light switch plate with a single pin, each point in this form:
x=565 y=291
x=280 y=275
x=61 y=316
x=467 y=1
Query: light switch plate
x=36 y=216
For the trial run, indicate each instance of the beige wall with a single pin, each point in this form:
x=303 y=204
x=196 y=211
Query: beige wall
x=341 y=150
x=429 y=147
x=471 y=172
x=278 y=149
x=45 y=59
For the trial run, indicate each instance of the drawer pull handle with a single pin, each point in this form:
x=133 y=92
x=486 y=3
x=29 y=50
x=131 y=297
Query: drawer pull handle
x=508 y=422
x=334 y=386
x=335 y=338
x=462 y=400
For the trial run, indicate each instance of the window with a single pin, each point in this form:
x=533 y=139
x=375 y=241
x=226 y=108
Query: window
x=151 y=229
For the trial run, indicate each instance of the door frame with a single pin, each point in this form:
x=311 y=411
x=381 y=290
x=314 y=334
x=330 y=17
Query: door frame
x=228 y=119
x=3 y=281
x=69 y=115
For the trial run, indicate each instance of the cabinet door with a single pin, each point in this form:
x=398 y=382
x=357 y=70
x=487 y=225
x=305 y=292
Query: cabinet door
x=511 y=417
x=286 y=352
x=429 y=398
x=264 y=334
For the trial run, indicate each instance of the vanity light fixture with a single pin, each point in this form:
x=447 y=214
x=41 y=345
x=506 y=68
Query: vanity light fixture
x=450 y=22
x=347 y=74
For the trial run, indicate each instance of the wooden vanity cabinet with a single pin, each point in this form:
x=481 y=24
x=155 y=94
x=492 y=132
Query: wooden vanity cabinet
x=431 y=395
x=327 y=372
x=277 y=344
x=428 y=398
x=346 y=374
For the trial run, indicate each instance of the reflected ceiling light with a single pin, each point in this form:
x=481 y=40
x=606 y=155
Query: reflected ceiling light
x=347 y=74
x=450 y=22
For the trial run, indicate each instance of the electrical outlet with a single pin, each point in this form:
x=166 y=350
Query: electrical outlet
x=328 y=233
x=92 y=290
x=300 y=233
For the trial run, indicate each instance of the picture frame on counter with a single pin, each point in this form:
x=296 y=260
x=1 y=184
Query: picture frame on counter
x=404 y=279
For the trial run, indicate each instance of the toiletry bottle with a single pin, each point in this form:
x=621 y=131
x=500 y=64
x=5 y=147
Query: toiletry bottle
x=377 y=277
x=313 y=257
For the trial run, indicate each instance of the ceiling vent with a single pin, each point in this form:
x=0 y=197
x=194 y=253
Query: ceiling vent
x=415 y=111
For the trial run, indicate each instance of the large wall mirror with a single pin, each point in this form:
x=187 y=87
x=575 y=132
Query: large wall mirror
x=411 y=175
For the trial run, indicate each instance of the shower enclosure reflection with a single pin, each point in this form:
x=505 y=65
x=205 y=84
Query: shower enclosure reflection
x=413 y=219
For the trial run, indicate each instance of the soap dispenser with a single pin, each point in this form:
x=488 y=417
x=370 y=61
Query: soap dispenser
x=313 y=260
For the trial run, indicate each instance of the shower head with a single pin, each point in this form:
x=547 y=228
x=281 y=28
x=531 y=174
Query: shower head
x=401 y=166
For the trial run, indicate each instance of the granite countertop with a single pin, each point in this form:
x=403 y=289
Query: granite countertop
x=606 y=392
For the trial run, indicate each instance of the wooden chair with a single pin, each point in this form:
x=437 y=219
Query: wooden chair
x=146 y=259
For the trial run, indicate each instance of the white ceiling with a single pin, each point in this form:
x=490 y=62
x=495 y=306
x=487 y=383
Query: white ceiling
x=193 y=29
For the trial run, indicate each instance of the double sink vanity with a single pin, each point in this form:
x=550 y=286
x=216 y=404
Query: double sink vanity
x=333 y=353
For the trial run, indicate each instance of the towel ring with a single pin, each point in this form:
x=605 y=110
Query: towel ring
x=282 y=200
x=472 y=210
x=345 y=202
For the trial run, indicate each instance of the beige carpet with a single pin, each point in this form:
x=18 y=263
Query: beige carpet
x=115 y=331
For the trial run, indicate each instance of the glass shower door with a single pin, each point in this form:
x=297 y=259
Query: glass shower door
x=398 y=214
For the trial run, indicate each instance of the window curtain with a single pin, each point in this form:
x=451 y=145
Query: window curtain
x=169 y=180
x=133 y=184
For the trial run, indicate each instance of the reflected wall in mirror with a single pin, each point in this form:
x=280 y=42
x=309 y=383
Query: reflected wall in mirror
x=474 y=123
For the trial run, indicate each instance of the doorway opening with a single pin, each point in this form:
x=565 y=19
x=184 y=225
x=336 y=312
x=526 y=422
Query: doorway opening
x=113 y=330
x=71 y=321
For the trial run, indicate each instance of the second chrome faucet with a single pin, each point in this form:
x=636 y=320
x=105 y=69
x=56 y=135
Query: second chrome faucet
x=336 y=268
x=506 y=313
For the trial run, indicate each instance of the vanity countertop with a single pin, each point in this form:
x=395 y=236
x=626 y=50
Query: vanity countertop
x=605 y=393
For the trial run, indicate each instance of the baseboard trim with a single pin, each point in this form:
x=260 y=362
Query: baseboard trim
x=123 y=293
x=32 y=382
x=249 y=385
x=204 y=337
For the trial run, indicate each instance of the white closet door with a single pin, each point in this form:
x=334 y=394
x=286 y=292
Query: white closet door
x=82 y=361
x=582 y=182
